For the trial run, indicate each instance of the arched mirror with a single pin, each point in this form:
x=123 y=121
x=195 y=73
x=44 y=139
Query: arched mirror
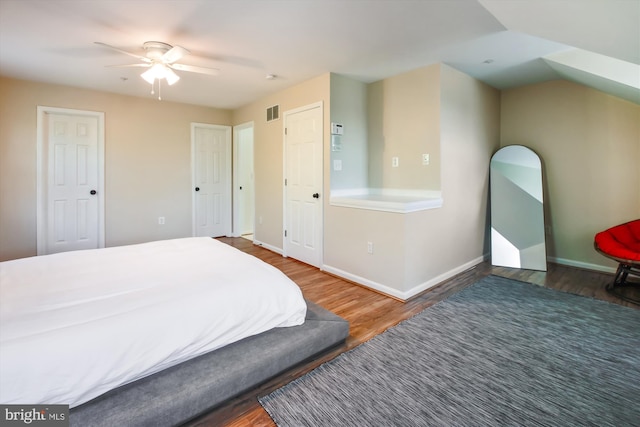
x=517 y=214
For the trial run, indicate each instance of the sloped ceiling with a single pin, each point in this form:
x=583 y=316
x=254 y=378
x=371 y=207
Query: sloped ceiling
x=604 y=36
x=503 y=43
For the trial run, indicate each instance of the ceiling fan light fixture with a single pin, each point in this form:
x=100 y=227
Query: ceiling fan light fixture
x=171 y=76
x=149 y=75
x=160 y=71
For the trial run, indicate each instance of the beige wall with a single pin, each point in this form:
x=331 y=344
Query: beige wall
x=465 y=116
x=349 y=108
x=448 y=240
x=147 y=162
x=414 y=251
x=268 y=152
x=589 y=143
x=403 y=122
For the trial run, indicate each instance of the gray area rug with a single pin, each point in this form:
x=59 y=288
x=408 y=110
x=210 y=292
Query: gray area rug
x=500 y=352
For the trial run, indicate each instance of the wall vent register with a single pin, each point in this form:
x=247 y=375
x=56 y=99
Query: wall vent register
x=273 y=113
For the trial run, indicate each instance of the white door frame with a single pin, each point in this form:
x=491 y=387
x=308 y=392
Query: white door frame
x=285 y=245
x=227 y=160
x=42 y=178
x=236 y=178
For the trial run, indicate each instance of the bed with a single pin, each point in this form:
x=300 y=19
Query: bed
x=100 y=329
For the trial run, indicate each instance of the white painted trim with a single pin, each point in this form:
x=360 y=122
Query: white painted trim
x=41 y=178
x=444 y=276
x=387 y=199
x=305 y=108
x=236 y=192
x=285 y=114
x=227 y=160
x=387 y=192
x=267 y=246
x=583 y=265
x=365 y=282
x=404 y=295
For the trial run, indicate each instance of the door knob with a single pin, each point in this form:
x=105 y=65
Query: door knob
x=197 y=188
x=316 y=195
x=93 y=192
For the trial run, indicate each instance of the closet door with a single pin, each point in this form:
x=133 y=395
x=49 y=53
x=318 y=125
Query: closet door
x=70 y=189
x=211 y=169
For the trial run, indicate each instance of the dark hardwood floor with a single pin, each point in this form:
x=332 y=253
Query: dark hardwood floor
x=370 y=313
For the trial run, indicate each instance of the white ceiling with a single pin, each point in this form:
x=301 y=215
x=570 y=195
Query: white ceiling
x=53 y=41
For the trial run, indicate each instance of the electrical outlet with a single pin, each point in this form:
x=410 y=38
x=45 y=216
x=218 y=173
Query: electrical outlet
x=161 y=220
x=395 y=162
x=369 y=247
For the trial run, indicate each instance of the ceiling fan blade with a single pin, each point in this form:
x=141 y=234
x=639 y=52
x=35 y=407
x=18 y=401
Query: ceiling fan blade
x=194 y=69
x=141 y=58
x=129 y=65
x=174 y=54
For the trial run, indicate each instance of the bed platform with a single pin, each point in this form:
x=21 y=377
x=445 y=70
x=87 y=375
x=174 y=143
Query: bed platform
x=152 y=334
x=183 y=392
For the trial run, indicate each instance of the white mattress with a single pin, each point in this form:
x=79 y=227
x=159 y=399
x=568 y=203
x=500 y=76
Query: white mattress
x=74 y=325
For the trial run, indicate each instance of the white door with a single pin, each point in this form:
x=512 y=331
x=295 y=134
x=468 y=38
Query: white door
x=244 y=187
x=211 y=168
x=303 y=184
x=70 y=183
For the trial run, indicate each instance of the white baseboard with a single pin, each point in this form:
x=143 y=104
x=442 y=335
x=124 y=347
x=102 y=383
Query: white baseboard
x=365 y=282
x=404 y=296
x=444 y=276
x=580 y=264
x=279 y=251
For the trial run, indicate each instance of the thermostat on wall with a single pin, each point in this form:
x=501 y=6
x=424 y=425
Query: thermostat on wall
x=336 y=129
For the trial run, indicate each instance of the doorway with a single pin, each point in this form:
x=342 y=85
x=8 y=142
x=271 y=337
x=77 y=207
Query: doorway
x=303 y=162
x=70 y=180
x=244 y=181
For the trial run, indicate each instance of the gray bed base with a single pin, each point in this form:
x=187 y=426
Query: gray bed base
x=183 y=392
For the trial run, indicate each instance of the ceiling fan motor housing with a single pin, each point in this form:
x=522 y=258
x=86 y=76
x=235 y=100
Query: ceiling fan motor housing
x=155 y=50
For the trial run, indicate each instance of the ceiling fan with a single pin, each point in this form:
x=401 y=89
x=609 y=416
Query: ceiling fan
x=161 y=59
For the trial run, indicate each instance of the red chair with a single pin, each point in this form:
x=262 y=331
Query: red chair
x=622 y=244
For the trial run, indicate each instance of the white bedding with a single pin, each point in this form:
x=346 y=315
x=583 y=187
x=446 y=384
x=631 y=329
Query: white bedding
x=74 y=325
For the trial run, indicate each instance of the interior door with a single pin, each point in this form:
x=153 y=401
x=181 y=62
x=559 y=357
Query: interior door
x=303 y=184
x=70 y=185
x=244 y=185
x=211 y=168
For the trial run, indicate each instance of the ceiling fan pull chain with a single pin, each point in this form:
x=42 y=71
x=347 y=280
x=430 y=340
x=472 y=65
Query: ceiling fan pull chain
x=152 y=87
x=159 y=90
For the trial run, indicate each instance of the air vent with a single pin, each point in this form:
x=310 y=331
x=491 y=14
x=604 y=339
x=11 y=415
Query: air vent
x=273 y=113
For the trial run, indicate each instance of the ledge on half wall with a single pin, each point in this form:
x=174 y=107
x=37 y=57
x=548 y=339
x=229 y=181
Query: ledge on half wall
x=388 y=200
